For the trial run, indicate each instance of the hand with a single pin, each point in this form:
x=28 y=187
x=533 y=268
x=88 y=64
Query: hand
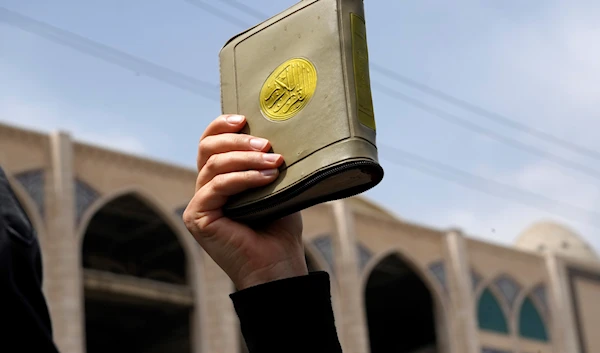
x=229 y=163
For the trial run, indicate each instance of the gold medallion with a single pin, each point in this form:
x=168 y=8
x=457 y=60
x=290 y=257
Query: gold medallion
x=288 y=89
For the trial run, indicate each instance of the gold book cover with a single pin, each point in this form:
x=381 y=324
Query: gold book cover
x=301 y=78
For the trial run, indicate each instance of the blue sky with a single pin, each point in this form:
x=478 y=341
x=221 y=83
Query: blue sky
x=536 y=62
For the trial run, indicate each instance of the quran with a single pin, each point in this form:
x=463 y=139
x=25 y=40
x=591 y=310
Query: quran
x=301 y=78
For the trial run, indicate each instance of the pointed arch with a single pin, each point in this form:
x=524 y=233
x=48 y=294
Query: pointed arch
x=532 y=315
x=129 y=232
x=490 y=315
x=509 y=289
x=531 y=323
x=394 y=284
x=424 y=274
x=188 y=244
x=148 y=268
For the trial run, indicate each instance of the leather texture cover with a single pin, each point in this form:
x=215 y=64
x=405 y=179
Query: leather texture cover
x=301 y=78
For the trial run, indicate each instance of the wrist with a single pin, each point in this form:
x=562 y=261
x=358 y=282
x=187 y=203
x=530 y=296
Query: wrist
x=275 y=272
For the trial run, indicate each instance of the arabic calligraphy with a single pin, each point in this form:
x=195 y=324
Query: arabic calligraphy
x=288 y=89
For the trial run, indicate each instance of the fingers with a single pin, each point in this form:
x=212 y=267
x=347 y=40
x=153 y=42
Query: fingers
x=212 y=145
x=229 y=162
x=208 y=200
x=224 y=124
x=215 y=193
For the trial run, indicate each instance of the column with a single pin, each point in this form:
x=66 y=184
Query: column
x=463 y=323
x=564 y=336
x=221 y=328
x=64 y=290
x=352 y=328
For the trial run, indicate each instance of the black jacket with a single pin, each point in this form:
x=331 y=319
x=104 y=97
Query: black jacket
x=288 y=316
x=26 y=322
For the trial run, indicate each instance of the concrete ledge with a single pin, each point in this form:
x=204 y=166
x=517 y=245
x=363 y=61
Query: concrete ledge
x=106 y=286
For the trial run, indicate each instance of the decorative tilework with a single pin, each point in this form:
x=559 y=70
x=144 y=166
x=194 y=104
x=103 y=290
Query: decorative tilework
x=85 y=196
x=539 y=293
x=325 y=247
x=33 y=183
x=364 y=255
x=509 y=288
x=439 y=271
x=475 y=279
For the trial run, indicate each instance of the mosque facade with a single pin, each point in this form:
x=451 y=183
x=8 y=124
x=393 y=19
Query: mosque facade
x=122 y=274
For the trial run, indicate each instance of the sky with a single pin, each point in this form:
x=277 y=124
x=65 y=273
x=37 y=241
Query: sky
x=535 y=62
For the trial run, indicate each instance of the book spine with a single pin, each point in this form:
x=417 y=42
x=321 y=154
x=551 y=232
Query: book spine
x=353 y=36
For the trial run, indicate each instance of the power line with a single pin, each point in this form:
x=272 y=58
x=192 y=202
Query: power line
x=457 y=175
x=487 y=114
x=217 y=12
x=245 y=8
x=491 y=187
x=456 y=120
x=456 y=101
x=182 y=81
x=109 y=54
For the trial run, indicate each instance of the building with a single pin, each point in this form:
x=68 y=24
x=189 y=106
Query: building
x=123 y=274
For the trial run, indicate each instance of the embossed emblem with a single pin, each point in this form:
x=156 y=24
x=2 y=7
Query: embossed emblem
x=288 y=89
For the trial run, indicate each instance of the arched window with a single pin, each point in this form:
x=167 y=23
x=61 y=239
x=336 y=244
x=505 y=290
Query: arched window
x=137 y=298
x=531 y=324
x=398 y=302
x=489 y=313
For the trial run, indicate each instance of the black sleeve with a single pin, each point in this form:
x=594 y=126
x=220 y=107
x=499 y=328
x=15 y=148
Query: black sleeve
x=288 y=316
x=23 y=308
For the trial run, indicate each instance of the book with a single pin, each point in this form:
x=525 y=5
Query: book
x=302 y=80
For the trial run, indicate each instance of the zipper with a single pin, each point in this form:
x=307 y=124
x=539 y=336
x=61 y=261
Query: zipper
x=286 y=196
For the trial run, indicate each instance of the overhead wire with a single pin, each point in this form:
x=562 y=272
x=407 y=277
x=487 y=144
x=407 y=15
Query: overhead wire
x=485 y=185
x=467 y=124
x=109 y=54
x=447 y=172
x=487 y=113
x=245 y=8
x=453 y=119
x=399 y=157
x=461 y=103
x=217 y=12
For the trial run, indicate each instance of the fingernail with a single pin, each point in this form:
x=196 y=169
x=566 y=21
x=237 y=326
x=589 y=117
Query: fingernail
x=269 y=172
x=235 y=119
x=271 y=157
x=258 y=144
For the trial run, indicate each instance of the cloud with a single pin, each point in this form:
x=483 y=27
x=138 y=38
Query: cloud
x=503 y=222
x=556 y=62
x=50 y=116
x=545 y=72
